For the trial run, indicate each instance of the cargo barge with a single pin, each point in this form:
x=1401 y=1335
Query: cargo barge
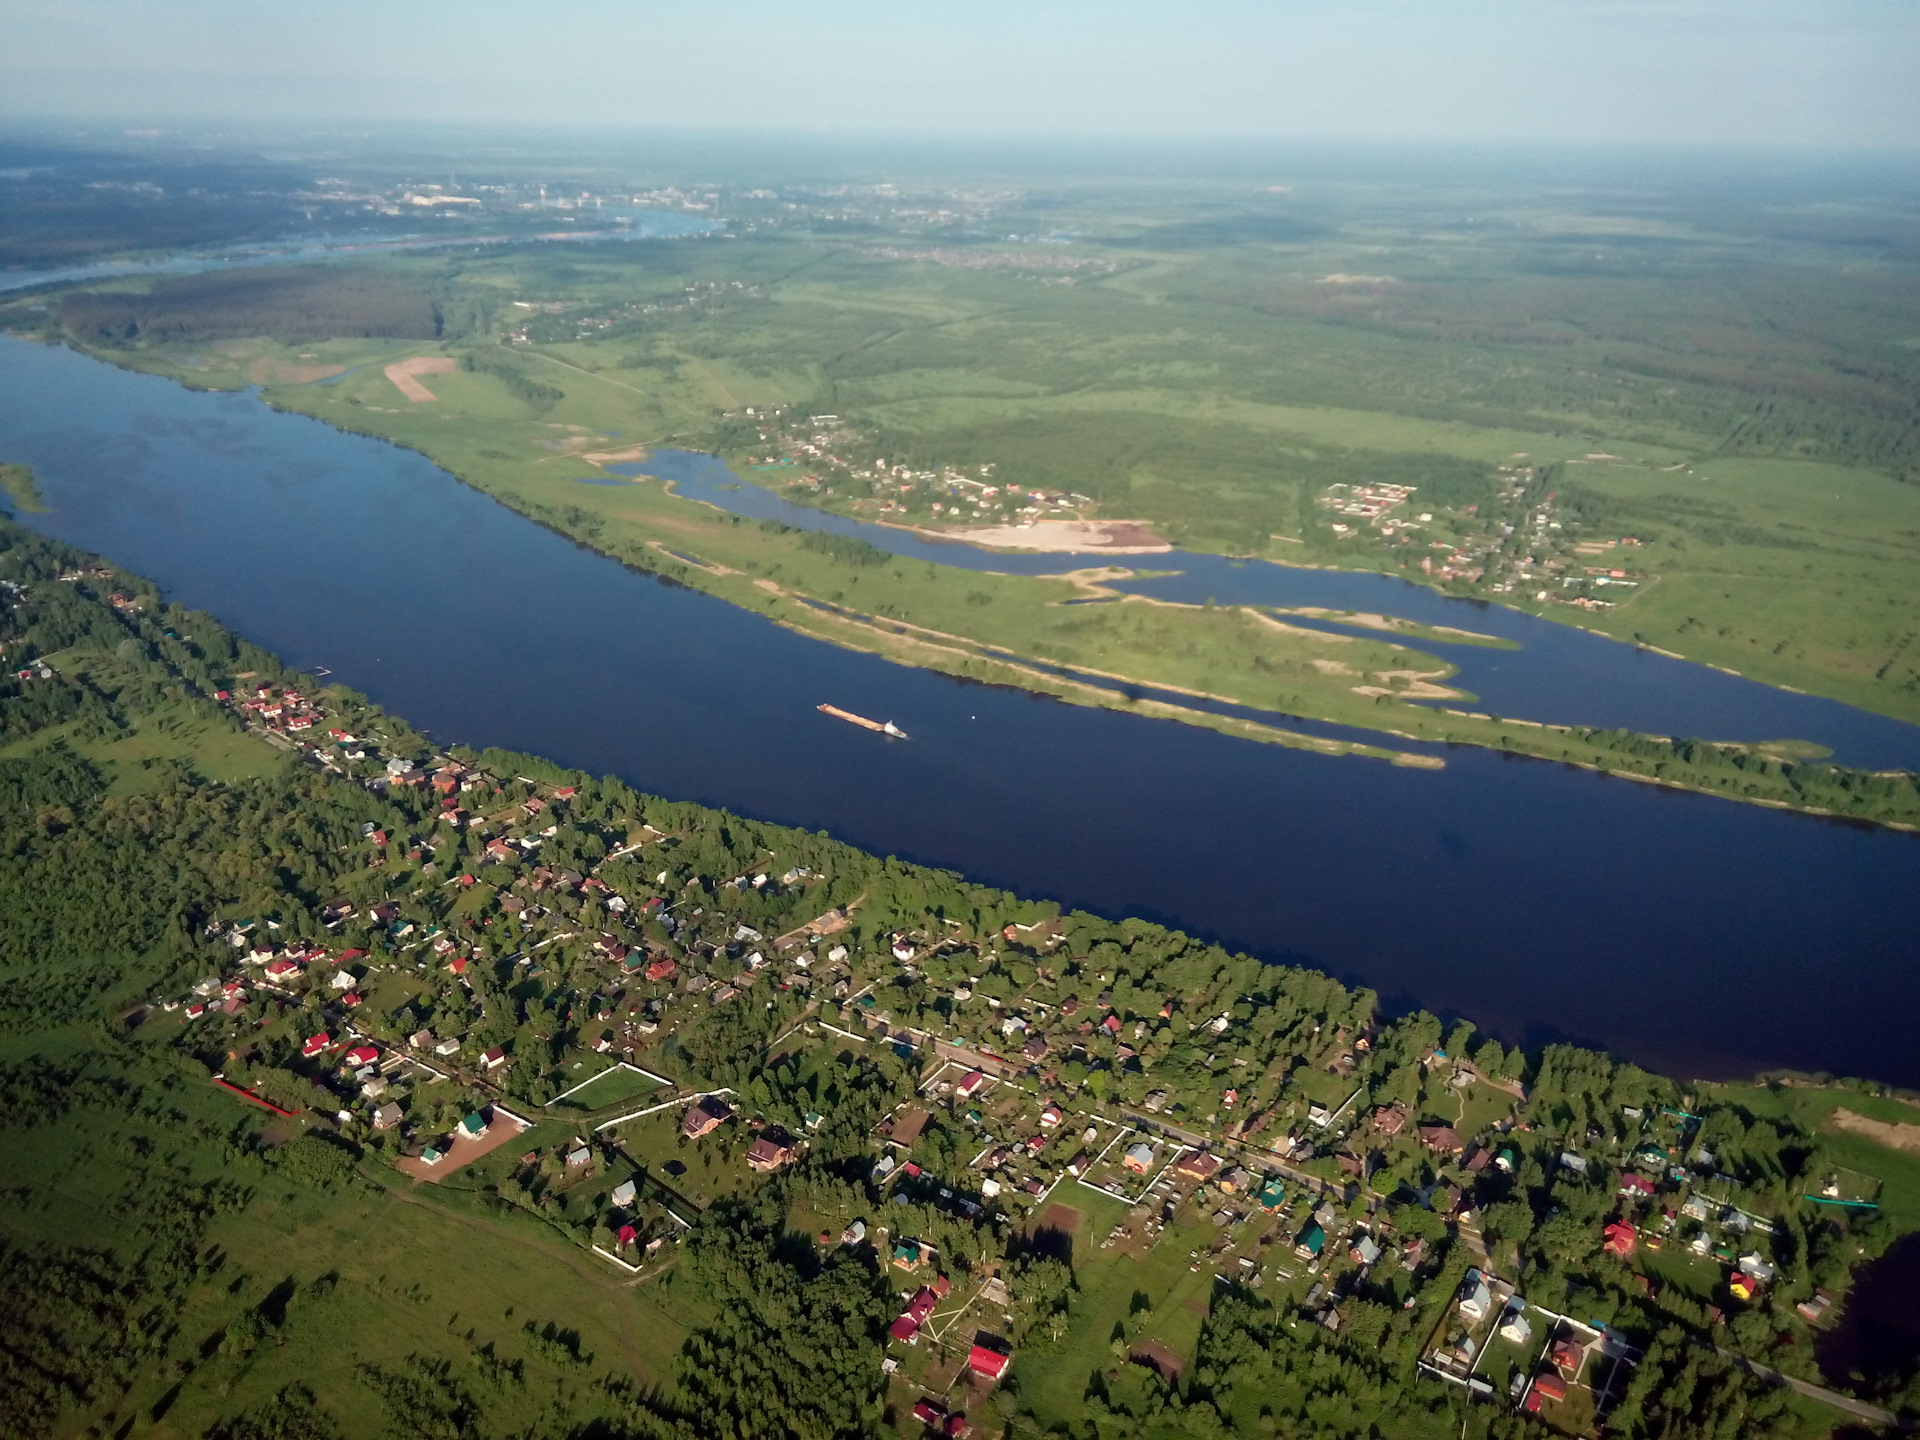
x=879 y=727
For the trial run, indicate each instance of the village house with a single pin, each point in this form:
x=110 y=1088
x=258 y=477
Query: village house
x=907 y=1327
x=1198 y=1165
x=770 y=1150
x=705 y=1115
x=1566 y=1355
x=1442 y=1139
x=1476 y=1299
x=387 y=1116
x=1138 y=1157
x=988 y=1363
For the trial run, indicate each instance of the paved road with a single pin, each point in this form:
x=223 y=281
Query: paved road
x=1859 y=1409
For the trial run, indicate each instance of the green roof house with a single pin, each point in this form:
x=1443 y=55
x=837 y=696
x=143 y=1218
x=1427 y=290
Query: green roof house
x=474 y=1126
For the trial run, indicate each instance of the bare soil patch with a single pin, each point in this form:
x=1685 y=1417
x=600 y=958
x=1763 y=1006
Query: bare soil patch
x=1156 y=1355
x=1895 y=1136
x=401 y=373
x=1063 y=1218
x=463 y=1152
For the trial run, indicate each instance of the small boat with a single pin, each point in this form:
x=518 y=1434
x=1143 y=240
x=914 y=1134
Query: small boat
x=879 y=727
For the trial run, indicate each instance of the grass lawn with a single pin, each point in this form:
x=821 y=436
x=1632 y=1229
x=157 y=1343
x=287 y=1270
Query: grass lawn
x=365 y=1276
x=702 y=1170
x=611 y=1086
x=1053 y=1378
x=172 y=731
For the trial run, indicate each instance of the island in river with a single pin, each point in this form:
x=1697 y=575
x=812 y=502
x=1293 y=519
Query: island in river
x=318 y=1027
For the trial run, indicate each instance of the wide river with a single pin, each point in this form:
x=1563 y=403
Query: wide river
x=1697 y=936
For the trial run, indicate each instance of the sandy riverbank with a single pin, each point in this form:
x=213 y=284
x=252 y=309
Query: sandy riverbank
x=1114 y=537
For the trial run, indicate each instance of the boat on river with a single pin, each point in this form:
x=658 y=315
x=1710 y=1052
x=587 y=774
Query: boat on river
x=879 y=727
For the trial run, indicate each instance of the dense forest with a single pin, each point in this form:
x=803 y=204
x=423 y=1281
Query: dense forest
x=291 y=303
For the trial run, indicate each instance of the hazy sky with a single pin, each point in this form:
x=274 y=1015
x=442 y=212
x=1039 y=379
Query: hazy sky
x=1821 y=72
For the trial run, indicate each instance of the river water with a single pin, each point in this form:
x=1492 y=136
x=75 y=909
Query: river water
x=1693 y=935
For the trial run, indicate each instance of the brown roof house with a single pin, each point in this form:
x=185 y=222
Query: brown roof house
x=770 y=1150
x=705 y=1115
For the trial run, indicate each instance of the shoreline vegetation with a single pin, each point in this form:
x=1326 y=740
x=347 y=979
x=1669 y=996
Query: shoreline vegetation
x=17 y=484
x=209 y=1136
x=1008 y=629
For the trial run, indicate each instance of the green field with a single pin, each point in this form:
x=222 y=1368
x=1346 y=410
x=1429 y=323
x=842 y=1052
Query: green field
x=605 y=1090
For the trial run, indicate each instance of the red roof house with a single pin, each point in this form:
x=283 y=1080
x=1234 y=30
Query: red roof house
x=1551 y=1386
x=1634 y=1183
x=663 y=968
x=986 y=1363
x=315 y=1045
x=362 y=1055
x=1620 y=1239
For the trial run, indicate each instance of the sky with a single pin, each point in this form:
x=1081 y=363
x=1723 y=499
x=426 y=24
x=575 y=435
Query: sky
x=1819 y=73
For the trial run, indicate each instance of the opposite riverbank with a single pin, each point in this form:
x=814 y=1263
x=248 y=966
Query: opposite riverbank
x=1033 y=632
